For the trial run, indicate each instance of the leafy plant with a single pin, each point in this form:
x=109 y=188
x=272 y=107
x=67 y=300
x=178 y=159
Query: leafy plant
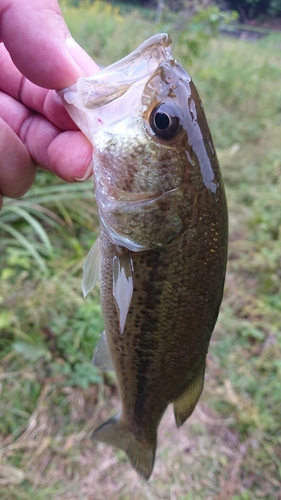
x=254 y=8
x=97 y=26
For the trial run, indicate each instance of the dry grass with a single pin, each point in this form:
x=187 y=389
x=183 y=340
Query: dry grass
x=204 y=459
x=204 y=455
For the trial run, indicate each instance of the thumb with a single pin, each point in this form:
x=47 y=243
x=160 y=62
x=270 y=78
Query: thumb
x=39 y=42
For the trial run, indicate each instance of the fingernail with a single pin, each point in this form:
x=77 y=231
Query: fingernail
x=87 y=174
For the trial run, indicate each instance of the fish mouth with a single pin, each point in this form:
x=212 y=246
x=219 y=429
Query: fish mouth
x=117 y=199
x=113 y=195
x=112 y=82
x=87 y=100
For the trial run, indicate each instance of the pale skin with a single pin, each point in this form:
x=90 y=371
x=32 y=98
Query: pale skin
x=38 y=57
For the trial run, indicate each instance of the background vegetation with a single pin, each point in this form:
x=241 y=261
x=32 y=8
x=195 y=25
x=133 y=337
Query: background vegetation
x=51 y=395
x=247 y=9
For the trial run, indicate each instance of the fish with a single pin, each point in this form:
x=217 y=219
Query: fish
x=162 y=250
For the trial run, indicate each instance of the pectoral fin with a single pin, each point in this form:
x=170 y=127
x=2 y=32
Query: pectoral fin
x=102 y=358
x=185 y=404
x=91 y=268
x=123 y=285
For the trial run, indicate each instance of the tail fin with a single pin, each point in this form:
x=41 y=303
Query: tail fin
x=141 y=454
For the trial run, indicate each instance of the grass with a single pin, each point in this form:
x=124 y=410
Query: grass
x=52 y=397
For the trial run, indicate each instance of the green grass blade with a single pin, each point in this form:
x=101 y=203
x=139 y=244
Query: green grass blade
x=37 y=227
x=26 y=244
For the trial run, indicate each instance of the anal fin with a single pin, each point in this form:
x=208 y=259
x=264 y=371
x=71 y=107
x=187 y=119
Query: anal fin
x=186 y=402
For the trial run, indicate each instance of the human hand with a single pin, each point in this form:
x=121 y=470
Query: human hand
x=37 y=54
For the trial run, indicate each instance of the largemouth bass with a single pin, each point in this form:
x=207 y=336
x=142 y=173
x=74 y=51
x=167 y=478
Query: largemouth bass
x=161 y=256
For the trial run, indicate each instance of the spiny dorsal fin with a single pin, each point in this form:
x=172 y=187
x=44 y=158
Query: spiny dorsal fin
x=102 y=358
x=91 y=268
x=141 y=454
x=123 y=285
x=185 y=404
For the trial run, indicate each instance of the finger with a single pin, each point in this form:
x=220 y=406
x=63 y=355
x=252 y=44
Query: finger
x=17 y=171
x=48 y=57
x=13 y=112
x=44 y=101
x=70 y=155
x=67 y=154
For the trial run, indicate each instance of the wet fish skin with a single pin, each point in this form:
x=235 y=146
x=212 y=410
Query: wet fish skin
x=161 y=353
x=163 y=219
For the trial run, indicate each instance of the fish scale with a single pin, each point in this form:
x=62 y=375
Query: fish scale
x=161 y=304
x=161 y=255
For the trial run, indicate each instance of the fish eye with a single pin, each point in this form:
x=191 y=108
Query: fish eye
x=164 y=121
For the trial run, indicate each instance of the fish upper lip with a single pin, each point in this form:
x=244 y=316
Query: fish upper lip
x=115 y=81
x=156 y=48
